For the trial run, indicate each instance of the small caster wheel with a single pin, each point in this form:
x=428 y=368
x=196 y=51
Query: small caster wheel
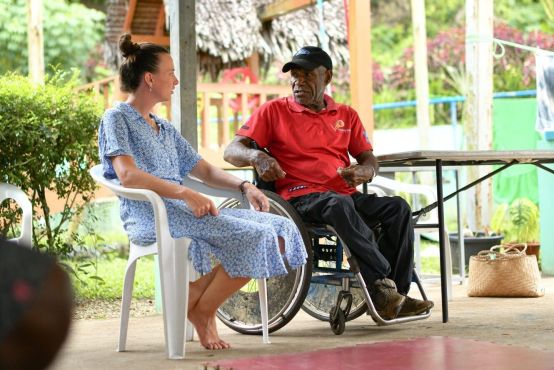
x=337 y=320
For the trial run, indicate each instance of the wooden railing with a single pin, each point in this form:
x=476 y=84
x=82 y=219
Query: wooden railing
x=222 y=109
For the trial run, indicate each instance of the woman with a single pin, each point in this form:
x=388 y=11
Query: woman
x=145 y=151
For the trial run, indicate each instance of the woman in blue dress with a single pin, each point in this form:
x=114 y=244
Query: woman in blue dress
x=145 y=151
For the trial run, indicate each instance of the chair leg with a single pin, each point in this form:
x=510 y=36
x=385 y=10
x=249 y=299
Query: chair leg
x=189 y=332
x=174 y=272
x=262 y=289
x=126 y=302
x=448 y=260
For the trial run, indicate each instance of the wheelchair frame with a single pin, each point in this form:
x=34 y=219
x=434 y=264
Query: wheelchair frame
x=289 y=293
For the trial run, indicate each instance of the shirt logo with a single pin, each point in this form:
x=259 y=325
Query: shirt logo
x=339 y=126
x=244 y=127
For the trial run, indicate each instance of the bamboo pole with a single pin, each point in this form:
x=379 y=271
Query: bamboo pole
x=421 y=72
x=35 y=40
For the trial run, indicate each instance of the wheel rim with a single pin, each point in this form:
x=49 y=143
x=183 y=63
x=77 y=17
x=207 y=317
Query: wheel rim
x=241 y=311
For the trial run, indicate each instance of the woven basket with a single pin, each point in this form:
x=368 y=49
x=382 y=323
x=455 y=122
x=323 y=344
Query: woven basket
x=507 y=273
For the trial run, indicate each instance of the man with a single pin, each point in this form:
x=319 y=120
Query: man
x=36 y=305
x=309 y=138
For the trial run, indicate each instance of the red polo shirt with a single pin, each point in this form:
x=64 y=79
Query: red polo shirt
x=309 y=146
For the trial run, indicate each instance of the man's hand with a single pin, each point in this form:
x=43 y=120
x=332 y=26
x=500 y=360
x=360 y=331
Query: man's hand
x=258 y=199
x=199 y=204
x=268 y=168
x=357 y=174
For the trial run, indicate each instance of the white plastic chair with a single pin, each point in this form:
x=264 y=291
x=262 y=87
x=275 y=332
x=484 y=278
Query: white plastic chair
x=173 y=266
x=383 y=186
x=8 y=191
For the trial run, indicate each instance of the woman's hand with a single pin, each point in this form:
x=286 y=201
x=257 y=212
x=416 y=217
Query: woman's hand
x=258 y=199
x=199 y=204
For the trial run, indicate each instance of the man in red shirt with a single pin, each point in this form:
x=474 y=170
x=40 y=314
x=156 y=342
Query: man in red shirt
x=309 y=138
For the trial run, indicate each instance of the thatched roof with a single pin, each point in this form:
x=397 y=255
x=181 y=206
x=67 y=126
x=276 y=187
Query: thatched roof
x=229 y=31
x=290 y=32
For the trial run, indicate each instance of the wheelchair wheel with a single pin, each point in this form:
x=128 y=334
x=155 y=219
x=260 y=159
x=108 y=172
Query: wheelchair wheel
x=285 y=294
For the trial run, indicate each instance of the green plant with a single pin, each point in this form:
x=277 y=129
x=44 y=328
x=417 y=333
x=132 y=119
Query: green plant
x=71 y=32
x=47 y=143
x=518 y=222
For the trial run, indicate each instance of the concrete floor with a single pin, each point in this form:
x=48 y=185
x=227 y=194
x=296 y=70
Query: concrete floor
x=525 y=322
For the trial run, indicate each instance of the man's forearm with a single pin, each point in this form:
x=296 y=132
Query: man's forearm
x=239 y=155
x=367 y=159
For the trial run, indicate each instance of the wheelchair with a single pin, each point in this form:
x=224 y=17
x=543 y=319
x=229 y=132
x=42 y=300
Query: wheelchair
x=329 y=287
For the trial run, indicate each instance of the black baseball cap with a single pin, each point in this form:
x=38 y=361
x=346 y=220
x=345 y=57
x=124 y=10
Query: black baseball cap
x=309 y=57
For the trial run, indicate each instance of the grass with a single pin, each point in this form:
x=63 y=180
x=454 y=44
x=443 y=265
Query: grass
x=430 y=263
x=103 y=278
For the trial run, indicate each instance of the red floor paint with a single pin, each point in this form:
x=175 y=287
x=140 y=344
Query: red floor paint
x=433 y=353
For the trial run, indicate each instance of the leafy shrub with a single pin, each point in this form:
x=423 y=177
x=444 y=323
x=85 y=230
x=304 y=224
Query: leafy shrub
x=514 y=71
x=47 y=141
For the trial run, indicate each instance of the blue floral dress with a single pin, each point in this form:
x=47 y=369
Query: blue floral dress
x=244 y=241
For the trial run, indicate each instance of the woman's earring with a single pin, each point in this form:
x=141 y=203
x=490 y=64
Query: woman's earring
x=150 y=88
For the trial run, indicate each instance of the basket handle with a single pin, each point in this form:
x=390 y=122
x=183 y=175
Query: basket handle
x=511 y=249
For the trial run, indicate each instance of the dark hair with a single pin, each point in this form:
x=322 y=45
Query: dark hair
x=137 y=60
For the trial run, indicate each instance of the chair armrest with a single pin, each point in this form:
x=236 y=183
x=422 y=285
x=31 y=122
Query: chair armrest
x=394 y=186
x=397 y=186
x=201 y=187
x=15 y=193
x=160 y=212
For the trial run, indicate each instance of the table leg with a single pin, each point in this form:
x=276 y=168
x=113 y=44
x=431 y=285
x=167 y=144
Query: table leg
x=442 y=241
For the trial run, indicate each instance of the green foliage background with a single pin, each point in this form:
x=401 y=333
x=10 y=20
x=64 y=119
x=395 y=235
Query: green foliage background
x=48 y=142
x=71 y=33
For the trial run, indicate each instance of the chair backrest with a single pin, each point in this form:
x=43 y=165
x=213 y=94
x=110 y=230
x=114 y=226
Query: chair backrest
x=8 y=191
x=381 y=185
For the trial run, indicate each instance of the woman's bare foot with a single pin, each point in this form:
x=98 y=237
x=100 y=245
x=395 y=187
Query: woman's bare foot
x=206 y=328
x=226 y=345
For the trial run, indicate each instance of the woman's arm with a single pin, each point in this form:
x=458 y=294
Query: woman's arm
x=131 y=176
x=218 y=178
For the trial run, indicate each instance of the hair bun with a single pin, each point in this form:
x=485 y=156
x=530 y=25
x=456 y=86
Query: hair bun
x=127 y=47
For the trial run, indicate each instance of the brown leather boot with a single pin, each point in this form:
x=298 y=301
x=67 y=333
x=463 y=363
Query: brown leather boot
x=414 y=307
x=386 y=299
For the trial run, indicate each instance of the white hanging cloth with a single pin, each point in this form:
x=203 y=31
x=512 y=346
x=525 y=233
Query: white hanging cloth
x=545 y=92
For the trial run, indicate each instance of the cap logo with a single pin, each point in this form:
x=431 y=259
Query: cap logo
x=302 y=52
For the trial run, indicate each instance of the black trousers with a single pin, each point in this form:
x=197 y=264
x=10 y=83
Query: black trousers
x=352 y=217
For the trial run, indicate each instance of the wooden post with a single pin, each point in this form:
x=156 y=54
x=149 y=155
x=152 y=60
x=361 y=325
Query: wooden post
x=421 y=71
x=361 y=79
x=35 y=40
x=182 y=34
x=253 y=62
x=479 y=69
